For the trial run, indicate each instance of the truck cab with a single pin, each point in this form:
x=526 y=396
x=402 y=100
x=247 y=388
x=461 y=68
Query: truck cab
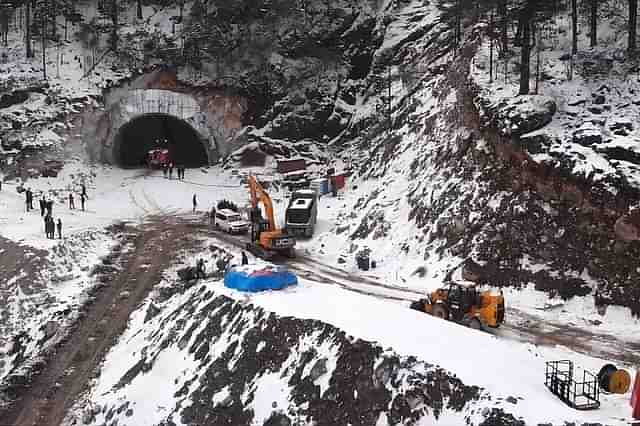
x=302 y=212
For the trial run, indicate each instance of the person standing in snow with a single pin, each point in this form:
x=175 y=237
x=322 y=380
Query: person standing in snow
x=42 y=206
x=30 y=199
x=245 y=260
x=200 y=271
x=212 y=216
x=59 y=228
x=170 y=171
x=164 y=170
x=48 y=221
x=84 y=190
x=82 y=200
x=195 y=203
x=72 y=205
x=52 y=228
x=26 y=199
x=49 y=206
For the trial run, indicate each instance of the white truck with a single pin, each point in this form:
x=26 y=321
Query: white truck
x=302 y=213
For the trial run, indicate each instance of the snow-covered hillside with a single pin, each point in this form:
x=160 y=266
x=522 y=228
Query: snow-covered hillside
x=462 y=180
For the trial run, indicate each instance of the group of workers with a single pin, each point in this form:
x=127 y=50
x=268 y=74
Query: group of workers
x=167 y=170
x=46 y=210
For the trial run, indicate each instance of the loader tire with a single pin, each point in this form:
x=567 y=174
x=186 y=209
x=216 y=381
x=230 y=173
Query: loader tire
x=417 y=305
x=440 y=311
x=475 y=324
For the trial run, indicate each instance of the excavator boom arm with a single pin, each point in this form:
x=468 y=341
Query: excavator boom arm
x=258 y=194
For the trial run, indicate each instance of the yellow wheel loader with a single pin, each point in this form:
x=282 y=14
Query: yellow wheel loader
x=464 y=303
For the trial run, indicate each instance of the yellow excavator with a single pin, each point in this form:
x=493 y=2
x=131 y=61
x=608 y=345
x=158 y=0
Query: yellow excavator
x=464 y=303
x=267 y=240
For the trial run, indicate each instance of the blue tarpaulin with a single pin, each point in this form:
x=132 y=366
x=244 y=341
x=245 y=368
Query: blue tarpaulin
x=259 y=278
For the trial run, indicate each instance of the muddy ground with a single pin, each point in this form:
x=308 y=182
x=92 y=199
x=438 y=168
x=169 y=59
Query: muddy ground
x=45 y=400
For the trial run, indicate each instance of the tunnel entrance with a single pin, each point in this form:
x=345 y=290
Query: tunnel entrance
x=157 y=131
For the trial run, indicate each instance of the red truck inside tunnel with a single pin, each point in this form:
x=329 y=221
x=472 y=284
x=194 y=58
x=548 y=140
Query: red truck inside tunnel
x=158 y=158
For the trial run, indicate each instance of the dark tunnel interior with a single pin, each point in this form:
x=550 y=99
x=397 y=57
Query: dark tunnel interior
x=147 y=132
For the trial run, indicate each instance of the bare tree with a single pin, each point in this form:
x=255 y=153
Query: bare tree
x=5 y=16
x=526 y=18
x=28 y=29
x=491 y=47
x=633 y=21
x=504 y=24
x=114 y=23
x=594 y=23
x=43 y=31
x=574 y=26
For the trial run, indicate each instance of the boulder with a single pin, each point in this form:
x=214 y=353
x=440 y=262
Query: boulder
x=599 y=99
x=621 y=127
x=471 y=271
x=152 y=311
x=50 y=329
x=587 y=135
x=627 y=227
x=523 y=114
x=318 y=370
x=87 y=416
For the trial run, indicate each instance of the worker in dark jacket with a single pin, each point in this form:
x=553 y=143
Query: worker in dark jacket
x=195 y=203
x=212 y=216
x=59 y=226
x=245 y=260
x=200 y=269
x=72 y=204
x=42 y=206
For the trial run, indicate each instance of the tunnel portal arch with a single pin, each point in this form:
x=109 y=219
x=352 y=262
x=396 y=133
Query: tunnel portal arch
x=144 y=106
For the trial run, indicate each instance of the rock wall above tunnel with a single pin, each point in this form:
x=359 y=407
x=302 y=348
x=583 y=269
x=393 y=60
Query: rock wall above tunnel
x=215 y=114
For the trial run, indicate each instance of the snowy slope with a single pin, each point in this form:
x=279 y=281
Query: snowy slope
x=428 y=194
x=272 y=360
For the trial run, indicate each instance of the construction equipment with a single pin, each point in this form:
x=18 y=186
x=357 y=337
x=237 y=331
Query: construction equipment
x=266 y=239
x=464 y=303
x=563 y=382
x=614 y=380
x=302 y=213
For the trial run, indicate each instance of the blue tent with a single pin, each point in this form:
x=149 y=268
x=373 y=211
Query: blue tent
x=259 y=278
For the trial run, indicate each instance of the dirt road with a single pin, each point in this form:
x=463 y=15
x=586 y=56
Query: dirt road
x=45 y=401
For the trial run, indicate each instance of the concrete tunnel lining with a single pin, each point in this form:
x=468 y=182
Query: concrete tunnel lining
x=138 y=136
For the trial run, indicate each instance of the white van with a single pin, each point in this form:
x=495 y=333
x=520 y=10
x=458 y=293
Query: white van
x=231 y=222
